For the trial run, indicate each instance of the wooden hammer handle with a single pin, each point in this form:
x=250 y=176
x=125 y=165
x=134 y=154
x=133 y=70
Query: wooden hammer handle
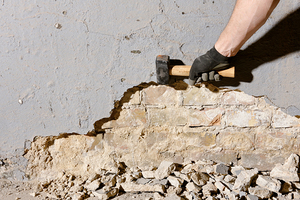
x=184 y=70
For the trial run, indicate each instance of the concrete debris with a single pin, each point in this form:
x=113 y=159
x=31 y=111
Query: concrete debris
x=188 y=181
x=260 y=192
x=268 y=183
x=288 y=171
x=165 y=169
x=244 y=179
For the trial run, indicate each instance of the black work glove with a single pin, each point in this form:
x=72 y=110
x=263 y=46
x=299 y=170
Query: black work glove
x=204 y=67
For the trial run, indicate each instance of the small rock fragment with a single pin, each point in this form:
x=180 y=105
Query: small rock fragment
x=175 y=190
x=173 y=197
x=176 y=182
x=186 y=177
x=236 y=170
x=132 y=187
x=260 y=192
x=252 y=197
x=229 y=179
x=244 y=179
x=222 y=169
x=93 y=185
x=158 y=196
x=163 y=182
x=220 y=186
x=78 y=196
x=105 y=193
x=148 y=174
x=209 y=189
x=142 y=181
x=199 y=178
x=165 y=169
x=192 y=187
x=268 y=183
x=288 y=171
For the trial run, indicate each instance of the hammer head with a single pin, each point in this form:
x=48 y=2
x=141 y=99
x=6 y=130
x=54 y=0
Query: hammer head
x=162 y=69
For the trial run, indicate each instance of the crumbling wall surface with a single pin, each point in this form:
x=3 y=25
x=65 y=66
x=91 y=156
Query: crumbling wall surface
x=178 y=123
x=64 y=63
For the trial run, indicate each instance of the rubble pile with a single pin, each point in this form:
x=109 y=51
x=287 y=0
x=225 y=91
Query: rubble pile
x=193 y=180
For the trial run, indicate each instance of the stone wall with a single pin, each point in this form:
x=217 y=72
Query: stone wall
x=64 y=63
x=178 y=123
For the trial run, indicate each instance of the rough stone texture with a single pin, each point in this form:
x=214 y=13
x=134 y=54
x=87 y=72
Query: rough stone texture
x=144 y=132
x=260 y=192
x=65 y=63
x=129 y=183
x=244 y=179
x=288 y=171
x=268 y=183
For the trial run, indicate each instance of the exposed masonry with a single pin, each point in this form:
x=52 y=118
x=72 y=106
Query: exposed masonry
x=177 y=123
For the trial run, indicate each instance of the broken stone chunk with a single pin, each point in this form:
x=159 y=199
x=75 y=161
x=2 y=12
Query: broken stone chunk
x=236 y=170
x=222 y=169
x=174 y=190
x=229 y=179
x=105 y=193
x=186 y=177
x=173 y=197
x=220 y=186
x=93 y=185
x=132 y=187
x=163 y=182
x=268 y=183
x=142 y=181
x=209 y=189
x=158 y=196
x=260 y=192
x=199 y=178
x=288 y=171
x=252 y=197
x=244 y=179
x=165 y=169
x=148 y=174
x=176 y=182
x=192 y=187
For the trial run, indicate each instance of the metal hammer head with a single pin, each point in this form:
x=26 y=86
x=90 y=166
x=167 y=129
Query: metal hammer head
x=162 y=69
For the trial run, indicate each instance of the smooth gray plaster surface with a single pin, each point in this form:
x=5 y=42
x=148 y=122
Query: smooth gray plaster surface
x=63 y=62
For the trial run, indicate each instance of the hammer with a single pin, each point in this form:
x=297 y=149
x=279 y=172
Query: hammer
x=164 y=70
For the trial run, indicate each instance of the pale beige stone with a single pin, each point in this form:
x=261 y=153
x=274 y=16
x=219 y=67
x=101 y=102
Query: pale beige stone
x=247 y=118
x=194 y=96
x=148 y=174
x=160 y=95
x=192 y=187
x=132 y=187
x=237 y=98
x=176 y=182
x=209 y=189
x=165 y=169
x=244 y=179
x=94 y=185
x=283 y=120
x=288 y=171
x=105 y=193
x=268 y=183
x=260 y=192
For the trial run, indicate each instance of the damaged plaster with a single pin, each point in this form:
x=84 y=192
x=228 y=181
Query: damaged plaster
x=65 y=63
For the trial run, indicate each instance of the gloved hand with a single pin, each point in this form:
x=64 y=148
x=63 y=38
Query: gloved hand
x=204 y=67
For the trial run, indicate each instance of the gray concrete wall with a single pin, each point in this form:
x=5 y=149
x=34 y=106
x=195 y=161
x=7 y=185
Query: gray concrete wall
x=63 y=63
